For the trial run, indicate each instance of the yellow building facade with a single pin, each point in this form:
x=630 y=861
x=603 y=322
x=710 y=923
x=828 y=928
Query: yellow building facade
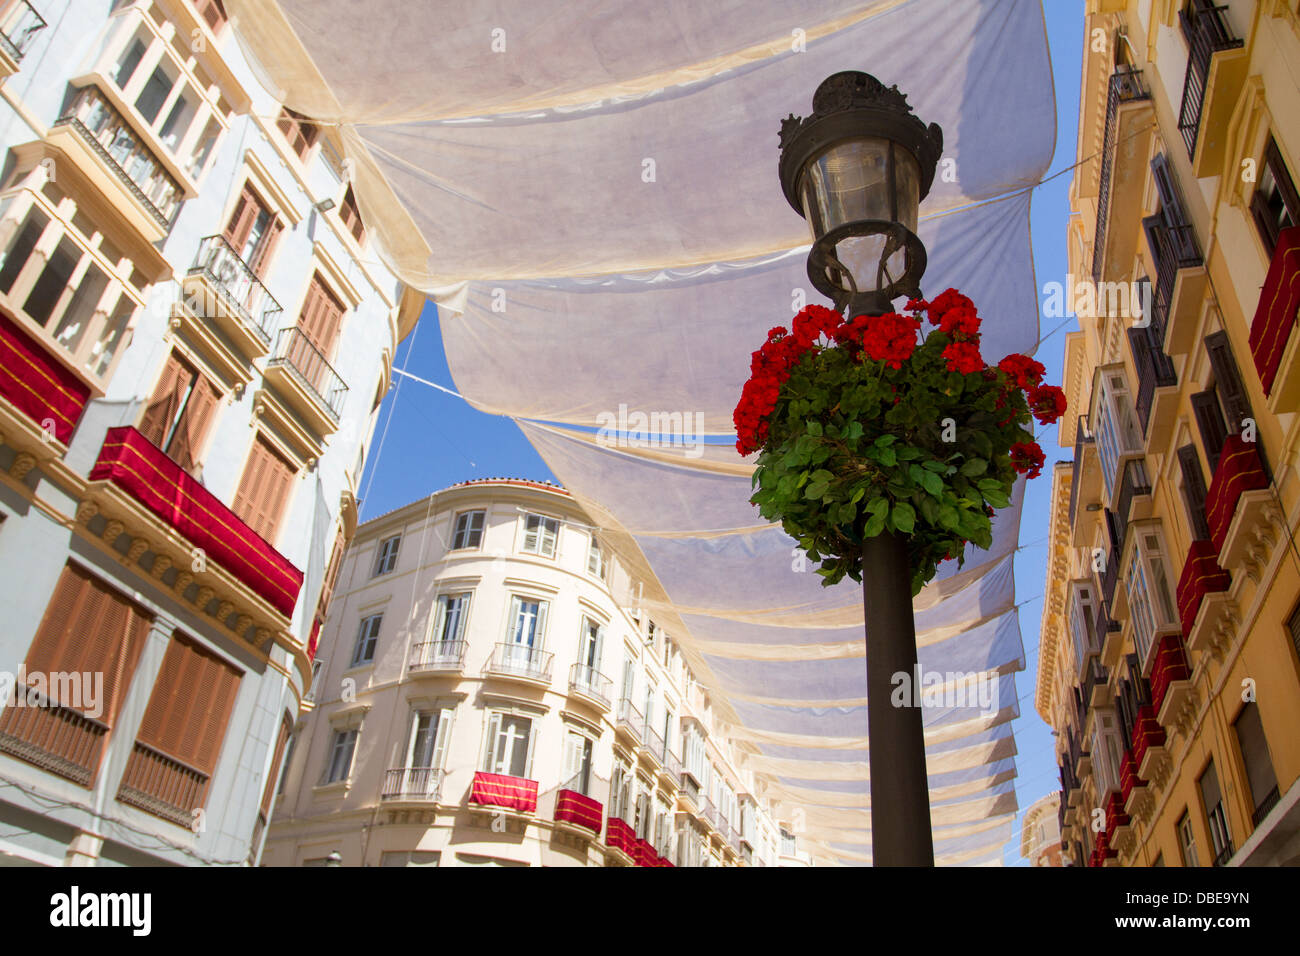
x=1171 y=626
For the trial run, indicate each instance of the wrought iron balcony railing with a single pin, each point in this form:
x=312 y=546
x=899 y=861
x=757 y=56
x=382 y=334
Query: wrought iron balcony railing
x=17 y=27
x=520 y=660
x=1206 y=32
x=589 y=682
x=294 y=350
x=413 y=783
x=238 y=286
x=628 y=716
x=655 y=744
x=438 y=656
x=1125 y=87
x=122 y=150
x=1173 y=247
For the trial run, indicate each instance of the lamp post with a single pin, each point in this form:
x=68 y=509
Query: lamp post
x=857 y=169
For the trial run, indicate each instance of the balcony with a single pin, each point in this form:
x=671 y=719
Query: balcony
x=1134 y=497
x=672 y=767
x=1171 y=686
x=1096 y=681
x=437 y=657
x=1240 y=509
x=1085 y=485
x=220 y=288
x=1179 y=285
x=591 y=685
x=521 y=662
x=709 y=813
x=1211 y=83
x=130 y=462
x=1121 y=161
x=167 y=788
x=502 y=792
x=579 y=811
x=653 y=748
x=629 y=721
x=689 y=792
x=1157 y=394
x=17 y=28
x=620 y=837
x=47 y=398
x=1204 y=607
x=412 y=785
x=1275 y=350
x=55 y=738
x=301 y=372
x=107 y=150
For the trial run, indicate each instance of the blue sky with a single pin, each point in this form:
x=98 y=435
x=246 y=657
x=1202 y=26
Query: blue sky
x=427 y=439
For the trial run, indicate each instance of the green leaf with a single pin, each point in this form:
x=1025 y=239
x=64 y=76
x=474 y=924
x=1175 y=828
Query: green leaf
x=814 y=428
x=875 y=525
x=948 y=517
x=884 y=441
x=935 y=466
x=815 y=490
x=904 y=517
x=932 y=483
x=888 y=457
x=997 y=499
x=974 y=467
x=855 y=431
x=878 y=506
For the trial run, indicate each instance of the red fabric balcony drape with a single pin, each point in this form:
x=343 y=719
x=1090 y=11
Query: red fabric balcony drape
x=1128 y=775
x=1147 y=733
x=1239 y=471
x=1201 y=576
x=36 y=384
x=133 y=463
x=509 y=793
x=618 y=835
x=1170 y=665
x=573 y=807
x=1275 y=316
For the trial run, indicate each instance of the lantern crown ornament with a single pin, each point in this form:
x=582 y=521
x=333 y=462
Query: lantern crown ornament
x=857 y=169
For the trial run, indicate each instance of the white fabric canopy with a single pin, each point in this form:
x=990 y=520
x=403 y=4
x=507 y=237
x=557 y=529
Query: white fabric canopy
x=589 y=190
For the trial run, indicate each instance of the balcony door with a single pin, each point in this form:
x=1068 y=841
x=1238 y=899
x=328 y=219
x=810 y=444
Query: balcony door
x=510 y=745
x=264 y=490
x=589 y=647
x=527 y=621
x=253 y=230
x=179 y=414
x=312 y=347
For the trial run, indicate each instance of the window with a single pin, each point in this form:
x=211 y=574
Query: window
x=264 y=489
x=1293 y=626
x=87 y=628
x=409 y=858
x=319 y=322
x=426 y=748
x=650 y=691
x=213 y=13
x=1151 y=605
x=1193 y=489
x=350 y=215
x=76 y=292
x=367 y=638
x=1220 y=840
x=595 y=558
x=1274 y=205
x=469 y=530
x=386 y=559
x=288 y=761
x=178 y=417
x=253 y=230
x=1117 y=427
x=1083 y=624
x=527 y=622
x=339 y=767
x=620 y=792
x=589 y=644
x=1106 y=750
x=540 y=533
x=1258 y=763
x=509 y=745
x=452 y=614
x=576 y=774
x=300 y=132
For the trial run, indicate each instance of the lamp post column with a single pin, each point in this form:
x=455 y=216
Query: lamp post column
x=900 y=797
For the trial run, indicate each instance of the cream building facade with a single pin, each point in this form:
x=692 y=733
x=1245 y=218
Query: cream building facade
x=487 y=693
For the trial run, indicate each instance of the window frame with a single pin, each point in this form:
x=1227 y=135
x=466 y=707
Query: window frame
x=469 y=530
x=343 y=739
x=493 y=731
x=543 y=522
x=1144 y=568
x=386 y=557
x=365 y=640
x=1273 y=165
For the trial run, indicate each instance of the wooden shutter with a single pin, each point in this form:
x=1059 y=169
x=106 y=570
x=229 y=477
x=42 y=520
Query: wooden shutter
x=89 y=628
x=196 y=418
x=1194 y=492
x=350 y=214
x=263 y=490
x=247 y=209
x=1227 y=380
x=1209 y=421
x=213 y=13
x=265 y=246
x=322 y=313
x=177 y=377
x=331 y=576
x=445 y=717
x=190 y=705
x=273 y=771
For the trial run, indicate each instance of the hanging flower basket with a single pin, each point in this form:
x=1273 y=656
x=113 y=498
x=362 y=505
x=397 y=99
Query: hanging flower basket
x=862 y=428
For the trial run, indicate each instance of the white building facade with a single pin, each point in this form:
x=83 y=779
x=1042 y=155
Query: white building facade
x=195 y=334
x=488 y=694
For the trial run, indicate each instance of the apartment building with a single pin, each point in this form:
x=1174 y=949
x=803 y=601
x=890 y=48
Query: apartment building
x=195 y=334
x=1171 y=624
x=488 y=694
x=1040 y=832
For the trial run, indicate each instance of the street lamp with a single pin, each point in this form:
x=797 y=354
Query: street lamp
x=857 y=170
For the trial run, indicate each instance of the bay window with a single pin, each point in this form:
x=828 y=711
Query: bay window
x=1106 y=750
x=65 y=277
x=1116 y=424
x=1151 y=604
x=1083 y=623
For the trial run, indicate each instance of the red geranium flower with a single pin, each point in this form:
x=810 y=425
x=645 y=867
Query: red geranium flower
x=1027 y=458
x=963 y=357
x=1023 y=370
x=1047 y=403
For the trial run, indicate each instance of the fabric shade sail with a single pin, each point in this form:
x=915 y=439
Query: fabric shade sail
x=589 y=191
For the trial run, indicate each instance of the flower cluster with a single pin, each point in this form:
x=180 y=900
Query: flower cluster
x=867 y=426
